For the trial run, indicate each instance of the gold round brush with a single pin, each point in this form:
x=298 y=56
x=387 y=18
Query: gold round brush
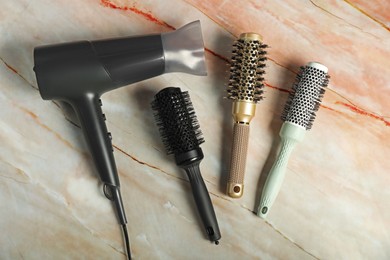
x=245 y=89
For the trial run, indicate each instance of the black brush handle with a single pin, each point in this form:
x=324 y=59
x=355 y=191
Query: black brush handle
x=203 y=201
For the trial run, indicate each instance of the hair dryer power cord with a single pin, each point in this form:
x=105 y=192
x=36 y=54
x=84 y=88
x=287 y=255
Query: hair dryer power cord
x=113 y=193
x=127 y=241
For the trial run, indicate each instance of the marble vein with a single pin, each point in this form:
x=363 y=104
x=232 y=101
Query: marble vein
x=210 y=17
x=46 y=127
x=13 y=179
x=16 y=72
x=147 y=165
x=290 y=240
x=342 y=19
x=133 y=9
x=360 y=10
x=155 y=167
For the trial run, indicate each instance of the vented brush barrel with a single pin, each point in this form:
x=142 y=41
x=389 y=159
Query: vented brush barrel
x=245 y=89
x=181 y=135
x=298 y=115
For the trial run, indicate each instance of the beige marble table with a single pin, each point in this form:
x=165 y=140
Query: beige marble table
x=334 y=203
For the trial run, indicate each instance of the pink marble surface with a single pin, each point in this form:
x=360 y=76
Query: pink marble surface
x=334 y=203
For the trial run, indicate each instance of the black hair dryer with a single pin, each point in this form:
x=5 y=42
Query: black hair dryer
x=80 y=72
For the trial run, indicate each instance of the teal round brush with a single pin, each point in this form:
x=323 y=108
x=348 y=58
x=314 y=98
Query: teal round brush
x=298 y=117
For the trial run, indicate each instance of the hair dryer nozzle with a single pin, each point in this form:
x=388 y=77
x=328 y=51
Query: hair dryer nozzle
x=184 y=50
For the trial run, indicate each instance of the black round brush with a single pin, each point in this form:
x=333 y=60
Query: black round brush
x=182 y=136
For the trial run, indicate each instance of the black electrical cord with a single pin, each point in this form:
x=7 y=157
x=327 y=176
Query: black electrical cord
x=127 y=241
x=112 y=193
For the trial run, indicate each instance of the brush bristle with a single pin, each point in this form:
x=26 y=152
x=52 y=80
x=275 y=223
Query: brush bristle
x=247 y=70
x=305 y=97
x=177 y=122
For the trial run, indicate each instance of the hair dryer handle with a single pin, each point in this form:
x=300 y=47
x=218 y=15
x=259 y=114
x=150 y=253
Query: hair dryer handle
x=92 y=119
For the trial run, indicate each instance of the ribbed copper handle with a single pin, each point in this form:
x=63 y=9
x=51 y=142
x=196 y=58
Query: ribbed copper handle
x=235 y=186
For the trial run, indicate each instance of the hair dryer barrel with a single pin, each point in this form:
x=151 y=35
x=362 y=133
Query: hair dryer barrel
x=66 y=71
x=133 y=59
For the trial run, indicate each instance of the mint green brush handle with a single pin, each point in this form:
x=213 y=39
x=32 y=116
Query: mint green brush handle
x=290 y=134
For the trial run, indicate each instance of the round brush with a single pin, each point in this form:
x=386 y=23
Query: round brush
x=245 y=89
x=298 y=117
x=182 y=136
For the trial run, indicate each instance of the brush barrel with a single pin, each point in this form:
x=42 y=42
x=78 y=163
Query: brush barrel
x=290 y=135
x=235 y=186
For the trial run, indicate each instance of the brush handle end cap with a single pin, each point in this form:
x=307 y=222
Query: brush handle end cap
x=262 y=211
x=235 y=190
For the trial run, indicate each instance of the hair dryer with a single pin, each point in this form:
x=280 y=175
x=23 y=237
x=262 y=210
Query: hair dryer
x=80 y=72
